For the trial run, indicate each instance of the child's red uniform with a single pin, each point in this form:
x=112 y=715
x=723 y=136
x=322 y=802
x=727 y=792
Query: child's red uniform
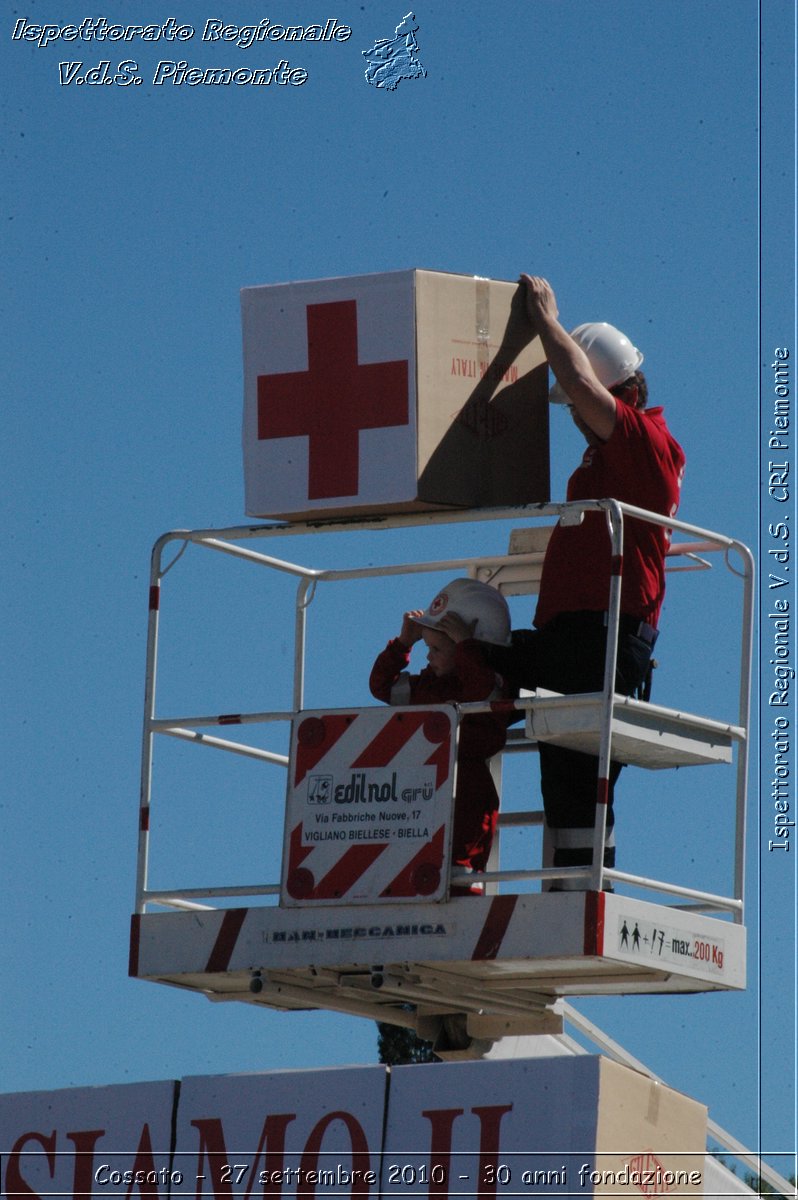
x=481 y=735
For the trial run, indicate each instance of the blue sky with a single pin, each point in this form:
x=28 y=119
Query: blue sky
x=613 y=149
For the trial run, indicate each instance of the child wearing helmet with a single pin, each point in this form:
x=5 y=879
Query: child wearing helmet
x=462 y=612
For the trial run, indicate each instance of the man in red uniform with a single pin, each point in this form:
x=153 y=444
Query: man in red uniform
x=631 y=457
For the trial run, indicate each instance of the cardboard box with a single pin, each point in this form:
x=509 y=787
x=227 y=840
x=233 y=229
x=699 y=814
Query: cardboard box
x=399 y=392
x=646 y=1134
x=560 y=1126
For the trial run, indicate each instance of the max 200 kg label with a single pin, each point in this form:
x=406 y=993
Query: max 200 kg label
x=648 y=941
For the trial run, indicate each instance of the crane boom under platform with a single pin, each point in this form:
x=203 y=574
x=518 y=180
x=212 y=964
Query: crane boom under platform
x=503 y=957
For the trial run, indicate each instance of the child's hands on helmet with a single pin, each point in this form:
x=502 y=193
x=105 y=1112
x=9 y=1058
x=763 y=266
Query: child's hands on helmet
x=453 y=625
x=411 y=632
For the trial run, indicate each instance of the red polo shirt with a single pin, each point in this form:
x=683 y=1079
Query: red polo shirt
x=641 y=464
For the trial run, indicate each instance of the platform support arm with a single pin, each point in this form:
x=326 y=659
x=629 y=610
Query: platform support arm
x=743 y=753
x=304 y=596
x=145 y=790
x=614 y=516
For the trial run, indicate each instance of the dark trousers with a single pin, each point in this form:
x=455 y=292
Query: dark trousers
x=568 y=656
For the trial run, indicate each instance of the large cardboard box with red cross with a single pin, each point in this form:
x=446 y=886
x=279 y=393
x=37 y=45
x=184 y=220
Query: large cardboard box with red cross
x=404 y=391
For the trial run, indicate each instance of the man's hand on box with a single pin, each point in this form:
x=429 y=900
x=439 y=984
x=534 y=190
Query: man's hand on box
x=540 y=298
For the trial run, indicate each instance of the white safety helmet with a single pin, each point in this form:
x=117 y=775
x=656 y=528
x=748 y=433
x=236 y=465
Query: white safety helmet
x=610 y=353
x=472 y=601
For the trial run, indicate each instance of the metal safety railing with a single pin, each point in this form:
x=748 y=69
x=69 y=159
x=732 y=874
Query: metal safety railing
x=684 y=555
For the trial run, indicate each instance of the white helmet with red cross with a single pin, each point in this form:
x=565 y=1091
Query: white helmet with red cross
x=610 y=353
x=472 y=601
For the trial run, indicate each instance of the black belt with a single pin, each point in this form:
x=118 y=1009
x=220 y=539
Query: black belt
x=639 y=629
x=587 y=618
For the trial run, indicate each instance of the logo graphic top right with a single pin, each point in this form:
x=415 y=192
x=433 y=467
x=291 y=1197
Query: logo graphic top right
x=390 y=60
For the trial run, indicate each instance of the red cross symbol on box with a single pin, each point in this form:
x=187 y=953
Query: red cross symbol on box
x=333 y=400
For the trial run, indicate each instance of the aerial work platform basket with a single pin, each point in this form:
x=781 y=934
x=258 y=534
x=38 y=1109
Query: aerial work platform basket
x=358 y=917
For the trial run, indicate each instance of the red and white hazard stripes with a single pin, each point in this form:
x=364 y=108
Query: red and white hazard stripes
x=501 y=930
x=369 y=805
x=495 y=927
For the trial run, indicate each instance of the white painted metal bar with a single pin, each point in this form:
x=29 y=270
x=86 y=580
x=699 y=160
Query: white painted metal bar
x=214 y=743
x=413 y=520
x=473 y=565
x=172 y=895
x=674 y=523
x=145 y=791
x=442 y=517
x=686 y=549
x=304 y=597
x=615 y=524
x=521 y=875
x=705 y=898
x=521 y=820
x=169 y=901
x=166 y=724
x=265 y=560
x=746 y=667
x=336 y=574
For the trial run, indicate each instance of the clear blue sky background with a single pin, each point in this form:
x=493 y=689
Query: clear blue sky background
x=612 y=148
